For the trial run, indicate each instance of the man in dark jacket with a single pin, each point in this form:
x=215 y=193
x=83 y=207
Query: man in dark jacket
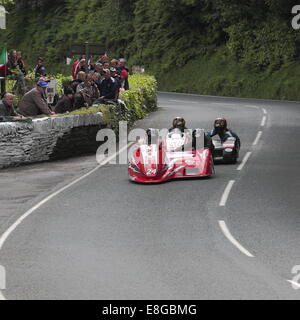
x=7 y=110
x=117 y=79
x=34 y=102
x=108 y=87
x=66 y=103
x=40 y=70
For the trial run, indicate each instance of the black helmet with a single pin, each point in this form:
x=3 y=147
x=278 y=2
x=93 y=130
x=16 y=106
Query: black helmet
x=179 y=123
x=221 y=124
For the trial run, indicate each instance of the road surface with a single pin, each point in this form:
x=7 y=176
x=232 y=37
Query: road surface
x=234 y=236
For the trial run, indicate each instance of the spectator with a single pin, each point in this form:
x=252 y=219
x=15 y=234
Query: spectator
x=79 y=101
x=97 y=79
x=80 y=79
x=114 y=63
x=91 y=64
x=74 y=68
x=7 y=110
x=21 y=62
x=15 y=71
x=34 y=102
x=82 y=67
x=66 y=102
x=106 y=65
x=99 y=67
x=12 y=60
x=40 y=70
x=117 y=79
x=88 y=90
x=124 y=73
x=107 y=87
x=103 y=58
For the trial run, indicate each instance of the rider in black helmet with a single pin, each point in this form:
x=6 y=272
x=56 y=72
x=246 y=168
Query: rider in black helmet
x=180 y=123
x=221 y=129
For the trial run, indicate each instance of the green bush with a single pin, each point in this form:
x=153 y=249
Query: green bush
x=142 y=96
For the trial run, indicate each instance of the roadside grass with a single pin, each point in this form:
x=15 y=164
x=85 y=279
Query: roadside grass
x=219 y=74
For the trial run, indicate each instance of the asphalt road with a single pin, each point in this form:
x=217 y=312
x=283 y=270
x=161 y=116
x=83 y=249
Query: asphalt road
x=107 y=238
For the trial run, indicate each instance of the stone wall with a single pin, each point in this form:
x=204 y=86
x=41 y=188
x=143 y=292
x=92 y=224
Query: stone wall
x=48 y=138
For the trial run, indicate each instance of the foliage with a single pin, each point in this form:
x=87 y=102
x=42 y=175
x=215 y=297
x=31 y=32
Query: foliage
x=141 y=98
x=254 y=35
x=219 y=74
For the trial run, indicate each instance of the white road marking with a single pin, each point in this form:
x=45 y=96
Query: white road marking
x=263 y=121
x=259 y=134
x=11 y=229
x=223 y=104
x=176 y=101
x=246 y=158
x=2 y=298
x=250 y=106
x=264 y=111
x=226 y=193
x=229 y=236
x=184 y=101
x=295 y=284
x=7 y=233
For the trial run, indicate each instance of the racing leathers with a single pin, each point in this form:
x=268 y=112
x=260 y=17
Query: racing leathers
x=207 y=139
x=223 y=134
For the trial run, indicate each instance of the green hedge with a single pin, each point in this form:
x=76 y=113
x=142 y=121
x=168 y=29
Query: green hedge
x=142 y=96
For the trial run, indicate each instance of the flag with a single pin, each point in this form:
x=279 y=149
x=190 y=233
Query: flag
x=3 y=57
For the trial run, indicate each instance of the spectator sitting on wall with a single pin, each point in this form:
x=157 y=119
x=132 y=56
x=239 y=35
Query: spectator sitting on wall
x=107 y=87
x=89 y=90
x=80 y=79
x=7 y=110
x=124 y=73
x=66 y=102
x=79 y=101
x=34 y=102
x=15 y=71
x=40 y=70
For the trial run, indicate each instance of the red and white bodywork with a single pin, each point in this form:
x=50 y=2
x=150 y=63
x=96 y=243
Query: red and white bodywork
x=169 y=158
